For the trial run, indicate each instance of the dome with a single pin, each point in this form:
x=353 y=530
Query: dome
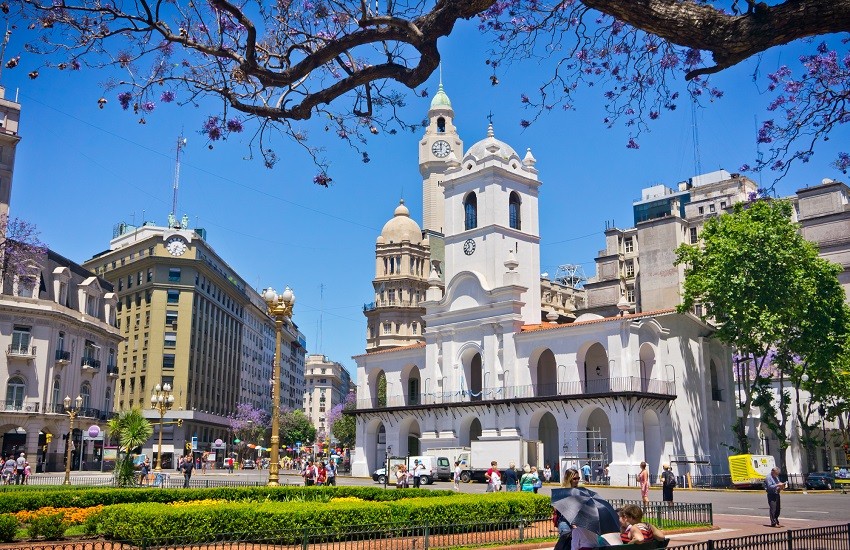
x=401 y=227
x=490 y=145
x=441 y=100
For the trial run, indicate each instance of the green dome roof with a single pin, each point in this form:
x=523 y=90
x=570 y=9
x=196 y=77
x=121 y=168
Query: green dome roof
x=441 y=99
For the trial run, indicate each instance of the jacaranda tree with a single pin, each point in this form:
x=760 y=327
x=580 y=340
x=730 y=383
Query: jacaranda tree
x=277 y=62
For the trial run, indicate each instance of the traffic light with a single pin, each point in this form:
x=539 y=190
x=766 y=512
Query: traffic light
x=48 y=437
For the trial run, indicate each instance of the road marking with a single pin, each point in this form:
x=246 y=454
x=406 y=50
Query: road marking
x=813 y=511
x=736 y=508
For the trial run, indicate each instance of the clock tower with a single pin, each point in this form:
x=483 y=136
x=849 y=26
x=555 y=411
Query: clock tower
x=440 y=144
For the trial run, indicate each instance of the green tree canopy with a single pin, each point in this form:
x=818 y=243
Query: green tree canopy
x=131 y=429
x=296 y=427
x=771 y=297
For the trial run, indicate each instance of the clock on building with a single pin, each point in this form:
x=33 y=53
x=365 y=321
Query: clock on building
x=441 y=148
x=469 y=247
x=175 y=246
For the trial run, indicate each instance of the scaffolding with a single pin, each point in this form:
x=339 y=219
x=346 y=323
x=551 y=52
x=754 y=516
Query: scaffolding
x=586 y=447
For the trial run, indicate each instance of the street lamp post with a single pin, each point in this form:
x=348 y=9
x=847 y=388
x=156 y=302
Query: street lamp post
x=161 y=400
x=279 y=308
x=72 y=414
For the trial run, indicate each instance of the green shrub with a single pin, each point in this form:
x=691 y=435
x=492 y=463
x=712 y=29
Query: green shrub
x=8 y=527
x=189 y=523
x=51 y=527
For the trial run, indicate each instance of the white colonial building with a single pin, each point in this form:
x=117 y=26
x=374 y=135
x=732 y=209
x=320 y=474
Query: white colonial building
x=616 y=390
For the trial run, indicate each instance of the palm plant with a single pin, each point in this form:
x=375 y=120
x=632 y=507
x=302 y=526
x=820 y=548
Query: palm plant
x=131 y=429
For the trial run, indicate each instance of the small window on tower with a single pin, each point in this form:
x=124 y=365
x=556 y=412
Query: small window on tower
x=441 y=125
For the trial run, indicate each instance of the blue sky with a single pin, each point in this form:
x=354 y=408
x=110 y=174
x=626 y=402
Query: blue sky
x=80 y=170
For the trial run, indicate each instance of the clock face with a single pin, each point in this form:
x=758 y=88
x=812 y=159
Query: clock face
x=469 y=247
x=441 y=149
x=175 y=246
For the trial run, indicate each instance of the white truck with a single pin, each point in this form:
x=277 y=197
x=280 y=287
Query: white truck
x=475 y=461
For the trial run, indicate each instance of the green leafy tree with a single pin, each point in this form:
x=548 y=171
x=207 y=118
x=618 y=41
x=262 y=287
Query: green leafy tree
x=131 y=429
x=296 y=427
x=342 y=423
x=772 y=298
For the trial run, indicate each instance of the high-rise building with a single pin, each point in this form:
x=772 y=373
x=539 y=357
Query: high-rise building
x=328 y=383
x=191 y=321
x=10 y=116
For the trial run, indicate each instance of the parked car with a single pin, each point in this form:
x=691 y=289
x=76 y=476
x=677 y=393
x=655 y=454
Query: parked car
x=249 y=464
x=820 y=480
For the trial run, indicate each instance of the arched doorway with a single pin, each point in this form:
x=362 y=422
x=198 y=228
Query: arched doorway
x=653 y=443
x=476 y=377
x=414 y=386
x=598 y=441
x=379 y=399
x=409 y=437
x=547 y=374
x=597 y=378
x=547 y=432
x=472 y=433
x=647 y=367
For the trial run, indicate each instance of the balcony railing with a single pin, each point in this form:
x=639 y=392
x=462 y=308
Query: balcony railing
x=390 y=303
x=90 y=363
x=20 y=351
x=63 y=356
x=22 y=407
x=112 y=371
x=577 y=389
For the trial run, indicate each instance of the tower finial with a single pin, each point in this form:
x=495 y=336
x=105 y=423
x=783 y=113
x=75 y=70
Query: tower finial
x=441 y=74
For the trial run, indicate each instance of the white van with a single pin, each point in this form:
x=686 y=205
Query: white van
x=430 y=474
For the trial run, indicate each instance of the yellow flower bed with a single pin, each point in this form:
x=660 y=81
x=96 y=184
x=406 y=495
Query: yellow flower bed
x=346 y=499
x=204 y=502
x=71 y=516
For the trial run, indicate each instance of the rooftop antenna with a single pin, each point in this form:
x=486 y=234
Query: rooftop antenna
x=181 y=143
x=695 y=131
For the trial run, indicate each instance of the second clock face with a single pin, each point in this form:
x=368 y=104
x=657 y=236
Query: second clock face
x=441 y=149
x=175 y=246
x=469 y=247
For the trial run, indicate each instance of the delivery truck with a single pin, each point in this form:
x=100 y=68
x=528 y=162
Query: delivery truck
x=475 y=462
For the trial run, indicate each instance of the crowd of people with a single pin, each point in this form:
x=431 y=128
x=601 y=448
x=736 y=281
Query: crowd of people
x=16 y=471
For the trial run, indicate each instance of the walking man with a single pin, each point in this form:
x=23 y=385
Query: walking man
x=585 y=472
x=187 y=467
x=331 y=472
x=668 y=481
x=773 y=487
x=417 y=472
x=20 y=464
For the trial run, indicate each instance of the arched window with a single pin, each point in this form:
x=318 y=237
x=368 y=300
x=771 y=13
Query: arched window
x=85 y=393
x=57 y=394
x=513 y=211
x=15 y=390
x=441 y=125
x=470 y=210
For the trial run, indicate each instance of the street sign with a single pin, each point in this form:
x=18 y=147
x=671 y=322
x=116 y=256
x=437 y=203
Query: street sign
x=194 y=442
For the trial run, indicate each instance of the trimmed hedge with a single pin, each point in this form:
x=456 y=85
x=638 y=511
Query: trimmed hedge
x=60 y=497
x=264 y=520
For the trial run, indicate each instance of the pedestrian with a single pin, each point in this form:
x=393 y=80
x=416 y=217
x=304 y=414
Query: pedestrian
x=547 y=473
x=511 y=478
x=585 y=471
x=205 y=459
x=668 y=481
x=331 y=472
x=27 y=473
x=538 y=482
x=773 y=487
x=493 y=477
x=527 y=481
x=19 y=469
x=401 y=477
x=9 y=470
x=456 y=477
x=144 y=471
x=605 y=473
x=643 y=481
x=187 y=467
x=309 y=475
x=418 y=468
x=321 y=474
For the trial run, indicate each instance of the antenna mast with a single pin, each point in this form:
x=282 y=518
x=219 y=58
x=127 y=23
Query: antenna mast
x=181 y=143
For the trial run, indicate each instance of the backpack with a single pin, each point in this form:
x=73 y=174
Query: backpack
x=669 y=479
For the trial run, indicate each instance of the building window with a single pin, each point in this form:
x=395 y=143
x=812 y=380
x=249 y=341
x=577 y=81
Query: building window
x=120 y=284
x=168 y=360
x=630 y=295
x=21 y=340
x=694 y=236
x=722 y=205
x=441 y=125
x=391 y=297
x=628 y=244
x=129 y=281
x=150 y=275
x=92 y=305
x=170 y=339
x=701 y=210
x=711 y=207
x=470 y=210
x=15 y=391
x=387 y=328
x=173 y=296
x=139 y=278
x=415 y=328
x=171 y=318
x=630 y=268
x=57 y=393
x=85 y=393
x=174 y=274
x=514 y=211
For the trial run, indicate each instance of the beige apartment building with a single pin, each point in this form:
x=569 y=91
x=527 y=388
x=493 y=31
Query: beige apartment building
x=328 y=382
x=189 y=320
x=10 y=116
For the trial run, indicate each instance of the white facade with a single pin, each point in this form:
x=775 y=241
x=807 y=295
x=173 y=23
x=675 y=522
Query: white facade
x=621 y=390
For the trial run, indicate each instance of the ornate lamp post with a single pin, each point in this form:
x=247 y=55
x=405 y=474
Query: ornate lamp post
x=72 y=414
x=161 y=400
x=279 y=308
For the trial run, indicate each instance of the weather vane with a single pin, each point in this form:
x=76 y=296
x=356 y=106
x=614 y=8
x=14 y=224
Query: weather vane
x=490 y=117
